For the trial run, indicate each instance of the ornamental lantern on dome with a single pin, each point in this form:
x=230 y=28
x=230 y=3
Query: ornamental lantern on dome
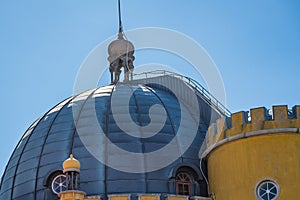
x=120 y=53
x=71 y=168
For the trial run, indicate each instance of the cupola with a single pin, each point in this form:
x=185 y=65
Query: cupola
x=120 y=53
x=71 y=164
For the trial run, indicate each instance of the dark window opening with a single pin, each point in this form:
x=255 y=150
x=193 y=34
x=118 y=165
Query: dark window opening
x=49 y=193
x=184 y=182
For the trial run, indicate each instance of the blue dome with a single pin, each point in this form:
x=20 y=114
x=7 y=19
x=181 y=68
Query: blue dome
x=39 y=155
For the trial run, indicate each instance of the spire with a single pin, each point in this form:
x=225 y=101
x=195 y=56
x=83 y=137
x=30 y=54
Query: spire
x=120 y=18
x=120 y=55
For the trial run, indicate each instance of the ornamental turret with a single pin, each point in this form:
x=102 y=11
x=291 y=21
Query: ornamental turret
x=120 y=53
x=71 y=170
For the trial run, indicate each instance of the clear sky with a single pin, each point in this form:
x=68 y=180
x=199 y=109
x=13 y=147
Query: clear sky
x=255 y=45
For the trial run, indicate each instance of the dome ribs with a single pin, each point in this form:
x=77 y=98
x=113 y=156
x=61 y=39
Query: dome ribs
x=43 y=146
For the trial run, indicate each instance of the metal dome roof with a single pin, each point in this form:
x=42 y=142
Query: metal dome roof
x=51 y=138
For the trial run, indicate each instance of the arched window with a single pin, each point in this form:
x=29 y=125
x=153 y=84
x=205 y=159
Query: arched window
x=54 y=183
x=184 y=183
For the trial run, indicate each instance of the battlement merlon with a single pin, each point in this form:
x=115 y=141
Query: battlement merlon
x=259 y=119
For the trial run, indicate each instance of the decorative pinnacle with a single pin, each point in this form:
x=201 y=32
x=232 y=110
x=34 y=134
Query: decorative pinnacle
x=120 y=55
x=120 y=21
x=71 y=164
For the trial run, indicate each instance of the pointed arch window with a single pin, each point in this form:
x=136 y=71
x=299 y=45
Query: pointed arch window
x=184 y=183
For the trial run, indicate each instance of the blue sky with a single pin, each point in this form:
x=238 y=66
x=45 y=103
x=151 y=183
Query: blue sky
x=255 y=45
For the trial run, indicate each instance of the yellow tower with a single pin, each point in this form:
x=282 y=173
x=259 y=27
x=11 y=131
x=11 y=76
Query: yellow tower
x=257 y=158
x=71 y=168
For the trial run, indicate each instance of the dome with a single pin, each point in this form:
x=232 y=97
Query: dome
x=38 y=157
x=71 y=164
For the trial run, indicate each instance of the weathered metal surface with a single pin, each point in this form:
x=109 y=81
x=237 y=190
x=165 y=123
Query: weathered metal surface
x=50 y=140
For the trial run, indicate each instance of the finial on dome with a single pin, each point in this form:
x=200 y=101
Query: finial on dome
x=120 y=20
x=120 y=55
x=71 y=164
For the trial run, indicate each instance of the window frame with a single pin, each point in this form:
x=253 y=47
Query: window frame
x=267 y=181
x=181 y=182
x=54 y=180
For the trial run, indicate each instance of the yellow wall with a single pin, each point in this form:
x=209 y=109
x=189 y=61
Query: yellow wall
x=177 y=197
x=148 y=197
x=72 y=195
x=119 y=197
x=235 y=168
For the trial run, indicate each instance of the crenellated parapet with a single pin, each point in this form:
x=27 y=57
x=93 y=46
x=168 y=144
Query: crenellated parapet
x=241 y=124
